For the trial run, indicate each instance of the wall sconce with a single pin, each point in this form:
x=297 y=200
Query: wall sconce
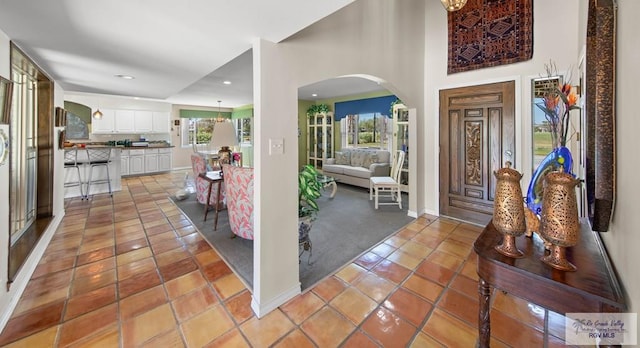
x=97 y=114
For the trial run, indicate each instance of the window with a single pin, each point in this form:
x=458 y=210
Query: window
x=243 y=128
x=541 y=137
x=366 y=130
x=197 y=131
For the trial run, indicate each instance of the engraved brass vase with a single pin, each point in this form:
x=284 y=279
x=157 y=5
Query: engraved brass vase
x=559 y=222
x=508 y=210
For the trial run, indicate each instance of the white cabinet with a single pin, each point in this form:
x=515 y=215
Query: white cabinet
x=319 y=138
x=125 y=121
x=104 y=125
x=143 y=121
x=151 y=160
x=124 y=162
x=164 y=160
x=161 y=122
x=401 y=141
x=136 y=162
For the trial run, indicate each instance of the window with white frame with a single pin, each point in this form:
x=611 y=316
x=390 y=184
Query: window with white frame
x=197 y=131
x=243 y=129
x=366 y=130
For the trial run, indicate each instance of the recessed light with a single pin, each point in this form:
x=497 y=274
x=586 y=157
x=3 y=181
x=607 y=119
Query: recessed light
x=126 y=77
x=314 y=95
x=226 y=82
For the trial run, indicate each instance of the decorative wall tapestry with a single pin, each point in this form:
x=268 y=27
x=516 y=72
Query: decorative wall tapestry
x=488 y=33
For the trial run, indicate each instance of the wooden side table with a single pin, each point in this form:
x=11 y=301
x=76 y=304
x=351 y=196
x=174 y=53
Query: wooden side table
x=594 y=287
x=212 y=178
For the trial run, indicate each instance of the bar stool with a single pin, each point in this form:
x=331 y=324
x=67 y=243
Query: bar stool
x=100 y=157
x=71 y=161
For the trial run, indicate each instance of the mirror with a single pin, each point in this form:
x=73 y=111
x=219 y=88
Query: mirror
x=600 y=112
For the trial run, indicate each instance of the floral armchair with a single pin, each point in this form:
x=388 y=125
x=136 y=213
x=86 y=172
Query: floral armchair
x=239 y=186
x=198 y=164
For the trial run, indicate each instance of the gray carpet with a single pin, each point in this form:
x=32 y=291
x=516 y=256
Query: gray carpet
x=347 y=225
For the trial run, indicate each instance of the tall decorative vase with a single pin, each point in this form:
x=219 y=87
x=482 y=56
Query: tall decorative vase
x=508 y=210
x=559 y=222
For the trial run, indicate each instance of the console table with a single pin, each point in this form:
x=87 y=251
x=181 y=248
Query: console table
x=592 y=288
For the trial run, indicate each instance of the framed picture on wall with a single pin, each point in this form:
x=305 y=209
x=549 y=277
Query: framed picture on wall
x=6 y=93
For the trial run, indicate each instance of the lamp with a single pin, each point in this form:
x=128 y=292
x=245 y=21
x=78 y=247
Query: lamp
x=97 y=114
x=223 y=136
x=453 y=5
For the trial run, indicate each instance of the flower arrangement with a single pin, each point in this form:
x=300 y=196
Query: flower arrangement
x=557 y=103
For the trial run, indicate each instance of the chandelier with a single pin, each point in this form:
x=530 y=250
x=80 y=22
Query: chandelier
x=453 y=5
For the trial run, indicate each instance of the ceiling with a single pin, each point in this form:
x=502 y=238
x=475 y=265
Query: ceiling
x=177 y=53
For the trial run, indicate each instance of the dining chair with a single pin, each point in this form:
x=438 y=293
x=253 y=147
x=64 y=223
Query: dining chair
x=389 y=186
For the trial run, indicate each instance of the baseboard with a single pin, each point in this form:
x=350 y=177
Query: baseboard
x=24 y=275
x=263 y=309
x=412 y=214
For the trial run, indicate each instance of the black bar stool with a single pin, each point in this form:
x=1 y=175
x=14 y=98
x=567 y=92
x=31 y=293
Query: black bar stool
x=100 y=157
x=71 y=161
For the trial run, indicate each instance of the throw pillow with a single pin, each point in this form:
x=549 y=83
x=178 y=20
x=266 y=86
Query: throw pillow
x=357 y=157
x=369 y=160
x=343 y=158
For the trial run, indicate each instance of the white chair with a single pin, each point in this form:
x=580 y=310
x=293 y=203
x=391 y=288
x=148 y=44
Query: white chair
x=388 y=185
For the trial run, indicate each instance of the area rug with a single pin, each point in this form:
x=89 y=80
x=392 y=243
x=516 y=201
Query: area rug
x=487 y=33
x=347 y=226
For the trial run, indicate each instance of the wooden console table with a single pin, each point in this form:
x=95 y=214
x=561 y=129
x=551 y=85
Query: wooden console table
x=592 y=288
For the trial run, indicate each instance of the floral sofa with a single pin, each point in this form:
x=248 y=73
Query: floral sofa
x=356 y=166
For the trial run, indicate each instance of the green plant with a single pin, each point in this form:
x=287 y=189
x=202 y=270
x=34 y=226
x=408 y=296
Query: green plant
x=309 y=189
x=318 y=109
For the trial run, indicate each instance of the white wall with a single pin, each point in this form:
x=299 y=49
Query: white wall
x=374 y=37
x=623 y=239
x=555 y=34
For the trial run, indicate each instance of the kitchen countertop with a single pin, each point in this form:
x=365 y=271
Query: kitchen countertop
x=93 y=146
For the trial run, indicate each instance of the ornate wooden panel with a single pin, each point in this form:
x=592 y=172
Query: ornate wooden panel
x=473 y=153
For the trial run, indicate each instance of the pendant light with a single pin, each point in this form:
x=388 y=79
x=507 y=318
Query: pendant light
x=97 y=114
x=453 y=5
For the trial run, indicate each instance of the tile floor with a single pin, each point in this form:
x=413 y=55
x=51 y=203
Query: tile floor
x=132 y=271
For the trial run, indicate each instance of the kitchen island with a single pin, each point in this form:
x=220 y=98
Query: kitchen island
x=143 y=160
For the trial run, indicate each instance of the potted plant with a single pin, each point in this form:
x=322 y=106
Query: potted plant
x=318 y=109
x=308 y=191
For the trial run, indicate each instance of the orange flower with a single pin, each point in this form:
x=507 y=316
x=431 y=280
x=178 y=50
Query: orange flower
x=551 y=102
x=566 y=89
x=572 y=99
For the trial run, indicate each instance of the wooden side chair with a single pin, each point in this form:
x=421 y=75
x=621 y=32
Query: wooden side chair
x=389 y=186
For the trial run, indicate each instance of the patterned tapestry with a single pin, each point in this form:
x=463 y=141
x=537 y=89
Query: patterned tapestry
x=488 y=33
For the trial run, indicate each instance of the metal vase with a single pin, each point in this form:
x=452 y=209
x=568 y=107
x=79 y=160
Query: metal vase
x=559 y=223
x=508 y=210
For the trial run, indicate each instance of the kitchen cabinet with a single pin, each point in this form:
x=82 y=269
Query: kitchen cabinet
x=136 y=162
x=124 y=162
x=143 y=121
x=131 y=122
x=164 y=160
x=161 y=122
x=150 y=160
x=124 y=121
x=104 y=125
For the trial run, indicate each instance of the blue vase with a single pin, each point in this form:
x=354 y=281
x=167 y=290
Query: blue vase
x=559 y=157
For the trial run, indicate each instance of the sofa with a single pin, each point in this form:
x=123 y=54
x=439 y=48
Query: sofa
x=356 y=166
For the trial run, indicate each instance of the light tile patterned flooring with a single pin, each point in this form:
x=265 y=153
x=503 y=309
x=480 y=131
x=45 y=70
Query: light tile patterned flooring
x=132 y=271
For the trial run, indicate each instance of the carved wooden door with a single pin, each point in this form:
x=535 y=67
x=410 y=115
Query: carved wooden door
x=476 y=137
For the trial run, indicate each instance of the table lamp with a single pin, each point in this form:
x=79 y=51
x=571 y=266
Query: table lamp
x=224 y=136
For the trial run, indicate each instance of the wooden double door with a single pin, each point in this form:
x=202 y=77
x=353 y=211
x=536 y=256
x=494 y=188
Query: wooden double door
x=477 y=137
